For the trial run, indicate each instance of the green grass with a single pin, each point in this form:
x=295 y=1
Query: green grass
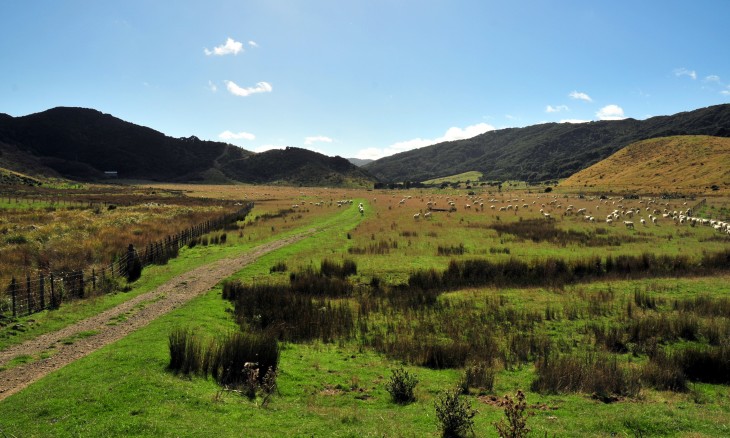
x=472 y=176
x=338 y=389
x=154 y=276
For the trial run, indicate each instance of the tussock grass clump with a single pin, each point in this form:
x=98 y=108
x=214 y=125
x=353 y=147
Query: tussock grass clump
x=379 y=248
x=227 y=359
x=556 y=272
x=186 y=352
x=232 y=361
x=278 y=267
x=451 y=250
x=330 y=268
x=478 y=375
x=540 y=230
x=289 y=314
x=599 y=375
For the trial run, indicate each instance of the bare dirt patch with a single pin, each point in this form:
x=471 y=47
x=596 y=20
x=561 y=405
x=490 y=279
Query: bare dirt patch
x=84 y=337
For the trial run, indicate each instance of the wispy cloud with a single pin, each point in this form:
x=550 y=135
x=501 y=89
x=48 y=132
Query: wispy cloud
x=580 y=96
x=253 y=43
x=212 y=87
x=228 y=135
x=726 y=91
x=453 y=133
x=685 y=72
x=230 y=47
x=556 y=109
x=611 y=112
x=261 y=87
x=712 y=78
x=317 y=138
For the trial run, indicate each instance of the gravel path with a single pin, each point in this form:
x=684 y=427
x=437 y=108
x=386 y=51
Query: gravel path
x=114 y=324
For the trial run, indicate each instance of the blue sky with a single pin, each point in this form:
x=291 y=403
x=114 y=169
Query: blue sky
x=362 y=78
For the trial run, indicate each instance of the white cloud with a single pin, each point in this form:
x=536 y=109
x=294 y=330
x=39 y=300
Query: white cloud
x=261 y=87
x=574 y=121
x=253 y=44
x=317 y=138
x=725 y=92
x=611 y=112
x=453 y=133
x=684 y=72
x=228 y=135
x=712 y=78
x=267 y=147
x=231 y=47
x=212 y=87
x=580 y=96
x=556 y=109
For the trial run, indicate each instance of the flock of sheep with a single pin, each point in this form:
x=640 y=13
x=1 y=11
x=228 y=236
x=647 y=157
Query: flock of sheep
x=648 y=211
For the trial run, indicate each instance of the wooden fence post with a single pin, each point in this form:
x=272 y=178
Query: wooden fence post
x=42 y=284
x=27 y=286
x=54 y=304
x=14 y=293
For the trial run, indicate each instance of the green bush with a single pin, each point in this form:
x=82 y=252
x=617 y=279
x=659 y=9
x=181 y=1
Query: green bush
x=455 y=415
x=401 y=386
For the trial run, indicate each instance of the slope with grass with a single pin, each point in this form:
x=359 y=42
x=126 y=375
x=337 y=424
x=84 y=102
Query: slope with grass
x=679 y=164
x=546 y=151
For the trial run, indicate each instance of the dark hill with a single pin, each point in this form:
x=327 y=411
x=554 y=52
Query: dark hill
x=297 y=166
x=546 y=151
x=82 y=143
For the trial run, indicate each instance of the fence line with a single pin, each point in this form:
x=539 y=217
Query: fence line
x=47 y=290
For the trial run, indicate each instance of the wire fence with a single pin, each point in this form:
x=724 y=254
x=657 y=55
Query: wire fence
x=43 y=290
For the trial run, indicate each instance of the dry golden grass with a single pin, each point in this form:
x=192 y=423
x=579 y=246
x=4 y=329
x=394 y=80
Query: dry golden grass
x=683 y=164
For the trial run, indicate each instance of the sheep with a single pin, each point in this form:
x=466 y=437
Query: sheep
x=416 y=216
x=427 y=214
x=609 y=221
x=629 y=224
x=643 y=221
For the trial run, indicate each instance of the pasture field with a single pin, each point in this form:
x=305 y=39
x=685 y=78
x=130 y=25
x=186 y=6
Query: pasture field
x=635 y=353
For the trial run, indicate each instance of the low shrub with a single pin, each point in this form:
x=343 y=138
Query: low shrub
x=401 y=386
x=455 y=414
x=515 y=425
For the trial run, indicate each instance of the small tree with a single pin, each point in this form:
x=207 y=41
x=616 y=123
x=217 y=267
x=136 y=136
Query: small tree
x=516 y=424
x=401 y=386
x=454 y=414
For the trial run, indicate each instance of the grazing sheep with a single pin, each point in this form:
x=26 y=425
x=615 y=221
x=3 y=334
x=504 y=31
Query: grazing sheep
x=416 y=216
x=629 y=224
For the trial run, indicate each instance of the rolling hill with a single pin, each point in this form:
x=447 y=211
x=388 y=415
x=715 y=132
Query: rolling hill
x=546 y=151
x=680 y=164
x=82 y=144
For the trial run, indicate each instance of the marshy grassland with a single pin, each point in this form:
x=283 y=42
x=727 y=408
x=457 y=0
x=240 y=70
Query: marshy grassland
x=608 y=330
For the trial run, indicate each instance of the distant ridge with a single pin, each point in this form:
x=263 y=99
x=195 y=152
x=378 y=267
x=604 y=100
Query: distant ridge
x=359 y=161
x=544 y=152
x=681 y=164
x=82 y=144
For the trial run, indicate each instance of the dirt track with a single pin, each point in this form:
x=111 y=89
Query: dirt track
x=137 y=313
